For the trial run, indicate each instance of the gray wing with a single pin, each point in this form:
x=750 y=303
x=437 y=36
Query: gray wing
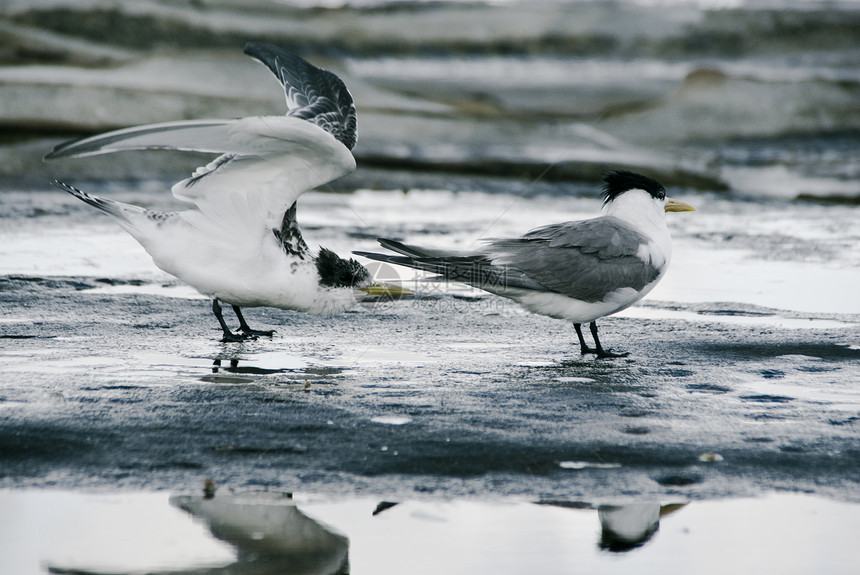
x=313 y=94
x=583 y=260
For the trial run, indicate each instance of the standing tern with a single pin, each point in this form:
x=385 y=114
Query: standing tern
x=579 y=271
x=236 y=238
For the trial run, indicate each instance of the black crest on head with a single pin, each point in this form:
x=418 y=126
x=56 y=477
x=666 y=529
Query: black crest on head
x=617 y=182
x=334 y=271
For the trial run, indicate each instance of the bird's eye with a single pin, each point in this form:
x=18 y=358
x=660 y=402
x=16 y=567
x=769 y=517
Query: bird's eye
x=661 y=195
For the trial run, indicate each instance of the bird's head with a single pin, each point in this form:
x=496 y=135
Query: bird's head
x=624 y=189
x=336 y=272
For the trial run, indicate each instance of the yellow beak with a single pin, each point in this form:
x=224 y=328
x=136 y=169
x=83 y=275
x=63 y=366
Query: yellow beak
x=384 y=289
x=676 y=206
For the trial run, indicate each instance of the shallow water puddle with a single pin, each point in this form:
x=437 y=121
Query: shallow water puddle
x=267 y=362
x=239 y=367
x=243 y=368
x=168 y=289
x=62 y=532
x=380 y=355
x=391 y=419
x=734 y=318
x=24 y=363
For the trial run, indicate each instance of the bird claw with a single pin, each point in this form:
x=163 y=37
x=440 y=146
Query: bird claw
x=230 y=337
x=609 y=354
x=252 y=334
x=255 y=333
x=597 y=349
x=602 y=353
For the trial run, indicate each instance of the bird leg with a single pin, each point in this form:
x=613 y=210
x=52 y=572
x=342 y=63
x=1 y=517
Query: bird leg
x=597 y=349
x=246 y=329
x=228 y=335
x=583 y=347
x=600 y=351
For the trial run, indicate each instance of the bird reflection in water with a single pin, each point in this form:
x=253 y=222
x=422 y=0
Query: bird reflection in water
x=626 y=527
x=272 y=363
x=270 y=535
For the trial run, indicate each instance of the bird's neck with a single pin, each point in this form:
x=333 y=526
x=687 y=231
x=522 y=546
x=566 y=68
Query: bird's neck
x=648 y=217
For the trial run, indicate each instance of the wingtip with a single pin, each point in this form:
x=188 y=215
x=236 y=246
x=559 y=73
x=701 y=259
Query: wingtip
x=265 y=53
x=68 y=149
x=55 y=153
x=387 y=243
x=251 y=48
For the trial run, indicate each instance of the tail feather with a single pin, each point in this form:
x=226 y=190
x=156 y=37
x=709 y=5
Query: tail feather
x=401 y=248
x=418 y=251
x=476 y=270
x=406 y=261
x=119 y=210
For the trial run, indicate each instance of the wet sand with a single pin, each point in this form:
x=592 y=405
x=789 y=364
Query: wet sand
x=114 y=381
x=114 y=376
x=432 y=431
x=440 y=395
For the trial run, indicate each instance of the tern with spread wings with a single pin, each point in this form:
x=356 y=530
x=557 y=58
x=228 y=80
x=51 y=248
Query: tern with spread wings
x=236 y=239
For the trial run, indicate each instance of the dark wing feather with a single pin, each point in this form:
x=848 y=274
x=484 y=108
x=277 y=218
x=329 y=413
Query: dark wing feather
x=313 y=94
x=420 y=251
x=290 y=236
x=474 y=270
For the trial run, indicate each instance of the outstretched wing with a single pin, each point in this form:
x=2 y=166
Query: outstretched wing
x=192 y=136
x=266 y=163
x=313 y=94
